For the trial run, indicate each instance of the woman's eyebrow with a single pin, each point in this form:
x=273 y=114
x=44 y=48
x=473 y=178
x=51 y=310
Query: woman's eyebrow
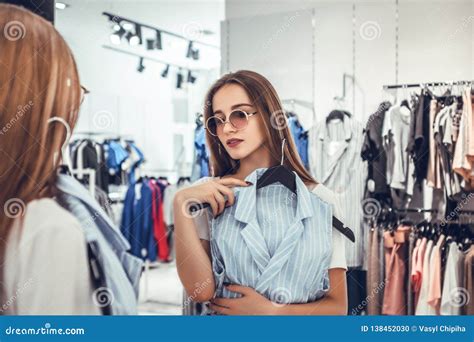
x=233 y=107
x=241 y=104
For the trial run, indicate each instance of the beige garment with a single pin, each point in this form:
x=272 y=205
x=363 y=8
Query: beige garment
x=464 y=151
x=433 y=177
x=467 y=107
x=434 y=290
x=461 y=164
x=396 y=254
x=468 y=308
x=374 y=276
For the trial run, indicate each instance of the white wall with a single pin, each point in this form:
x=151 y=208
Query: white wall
x=435 y=44
x=141 y=104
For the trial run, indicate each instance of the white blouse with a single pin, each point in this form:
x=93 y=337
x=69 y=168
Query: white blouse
x=46 y=268
x=338 y=258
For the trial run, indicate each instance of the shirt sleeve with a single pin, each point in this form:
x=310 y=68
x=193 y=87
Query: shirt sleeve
x=338 y=258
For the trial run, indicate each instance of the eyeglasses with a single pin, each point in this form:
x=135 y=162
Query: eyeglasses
x=239 y=119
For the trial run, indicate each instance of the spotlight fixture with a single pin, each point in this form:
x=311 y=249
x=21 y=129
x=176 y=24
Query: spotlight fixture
x=127 y=26
x=191 y=78
x=189 y=54
x=150 y=44
x=141 y=66
x=135 y=39
x=179 y=80
x=158 y=41
x=165 y=72
x=116 y=37
x=195 y=54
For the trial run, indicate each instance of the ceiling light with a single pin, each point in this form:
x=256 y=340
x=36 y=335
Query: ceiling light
x=116 y=37
x=141 y=66
x=150 y=44
x=164 y=73
x=179 y=80
x=159 y=46
x=196 y=54
x=128 y=26
x=191 y=78
x=190 y=50
x=61 y=5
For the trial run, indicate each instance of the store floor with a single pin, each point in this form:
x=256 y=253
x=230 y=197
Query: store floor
x=161 y=292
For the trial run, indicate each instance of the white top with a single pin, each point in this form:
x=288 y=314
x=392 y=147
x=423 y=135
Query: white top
x=452 y=286
x=338 y=259
x=46 y=268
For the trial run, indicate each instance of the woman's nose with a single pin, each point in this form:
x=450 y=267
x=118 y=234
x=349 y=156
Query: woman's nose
x=228 y=128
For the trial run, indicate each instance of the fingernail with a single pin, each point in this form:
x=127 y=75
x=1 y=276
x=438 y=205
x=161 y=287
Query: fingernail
x=249 y=183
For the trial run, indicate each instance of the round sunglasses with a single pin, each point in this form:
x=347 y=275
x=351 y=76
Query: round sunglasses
x=239 y=119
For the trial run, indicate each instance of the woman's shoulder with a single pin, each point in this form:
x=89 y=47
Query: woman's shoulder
x=46 y=217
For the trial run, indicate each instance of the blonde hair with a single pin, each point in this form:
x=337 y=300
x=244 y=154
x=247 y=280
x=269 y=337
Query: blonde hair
x=39 y=80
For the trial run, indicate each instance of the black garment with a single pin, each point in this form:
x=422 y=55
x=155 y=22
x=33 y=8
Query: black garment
x=356 y=291
x=418 y=144
x=374 y=153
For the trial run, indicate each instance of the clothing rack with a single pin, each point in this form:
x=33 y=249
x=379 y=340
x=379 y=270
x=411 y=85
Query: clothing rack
x=302 y=103
x=429 y=84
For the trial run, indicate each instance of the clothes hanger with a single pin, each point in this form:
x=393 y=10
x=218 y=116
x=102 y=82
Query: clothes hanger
x=335 y=115
x=65 y=167
x=281 y=173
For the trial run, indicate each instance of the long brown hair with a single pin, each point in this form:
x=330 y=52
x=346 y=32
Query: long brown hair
x=267 y=103
x=38 y=81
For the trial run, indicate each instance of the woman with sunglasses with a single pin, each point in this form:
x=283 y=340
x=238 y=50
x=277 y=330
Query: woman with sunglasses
x=44 y=263
x=246 y=131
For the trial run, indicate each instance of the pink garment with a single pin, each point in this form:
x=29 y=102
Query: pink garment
x=396 y=253
x=434 y=290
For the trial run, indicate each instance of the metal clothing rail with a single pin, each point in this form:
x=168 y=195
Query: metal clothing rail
x=428 y=84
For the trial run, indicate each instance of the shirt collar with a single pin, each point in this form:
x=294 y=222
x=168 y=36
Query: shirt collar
x=246 y=198
x=346 y=126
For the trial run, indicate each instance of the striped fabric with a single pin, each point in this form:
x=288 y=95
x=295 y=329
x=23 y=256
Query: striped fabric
x=275 y=241
x=335 y=161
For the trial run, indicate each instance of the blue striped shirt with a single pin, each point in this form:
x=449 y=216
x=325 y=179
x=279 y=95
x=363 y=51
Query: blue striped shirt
x=274 y=241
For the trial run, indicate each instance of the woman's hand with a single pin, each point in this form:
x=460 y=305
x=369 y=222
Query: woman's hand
x=251 y=303
x=216 y=192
